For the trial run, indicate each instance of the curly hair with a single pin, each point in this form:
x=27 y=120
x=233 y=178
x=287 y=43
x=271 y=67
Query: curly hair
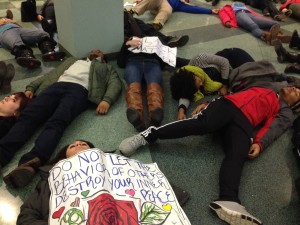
x=62 y=152
x=183 y=84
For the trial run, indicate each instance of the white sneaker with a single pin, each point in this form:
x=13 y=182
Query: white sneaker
x=129 y=145
x=233 y=213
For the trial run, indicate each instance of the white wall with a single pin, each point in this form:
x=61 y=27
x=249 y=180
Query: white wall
x=84 y=25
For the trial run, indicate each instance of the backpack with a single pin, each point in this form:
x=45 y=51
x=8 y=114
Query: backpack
x=28 y=11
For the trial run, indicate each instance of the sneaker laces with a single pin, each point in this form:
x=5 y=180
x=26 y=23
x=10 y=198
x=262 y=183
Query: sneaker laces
x=136 y=141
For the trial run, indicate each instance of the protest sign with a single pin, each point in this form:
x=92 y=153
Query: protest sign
x=94 y=187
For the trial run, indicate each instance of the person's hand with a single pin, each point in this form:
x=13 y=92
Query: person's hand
x=199 y=108
x=254 y=151
x=215 y=11
x=39 y=17
x=5 y=21
x=181 y=115
x=135 y=42
x=227 y=24
x=223 y=90
x=102 y=108
x=28 y=94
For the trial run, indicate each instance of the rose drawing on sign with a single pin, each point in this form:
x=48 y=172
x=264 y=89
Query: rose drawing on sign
x=106 y=210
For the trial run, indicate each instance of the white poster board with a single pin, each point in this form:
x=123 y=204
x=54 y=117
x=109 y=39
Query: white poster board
x=95 y=188
x=152 y=45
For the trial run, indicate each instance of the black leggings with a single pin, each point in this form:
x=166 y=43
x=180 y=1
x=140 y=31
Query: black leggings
x=220 y=115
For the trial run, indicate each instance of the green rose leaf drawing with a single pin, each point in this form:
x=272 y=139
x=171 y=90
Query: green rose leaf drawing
x=152 y=214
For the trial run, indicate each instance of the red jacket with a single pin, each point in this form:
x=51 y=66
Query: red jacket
x=285 y=5
x=259 y=105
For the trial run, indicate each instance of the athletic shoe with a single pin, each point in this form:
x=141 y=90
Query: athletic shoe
x=233 y=213
x=129 y=145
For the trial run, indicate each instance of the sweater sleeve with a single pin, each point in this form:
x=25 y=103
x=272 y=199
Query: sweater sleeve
x=35 y=209
x=275 y=126
x=114 y=86
x=207 y=60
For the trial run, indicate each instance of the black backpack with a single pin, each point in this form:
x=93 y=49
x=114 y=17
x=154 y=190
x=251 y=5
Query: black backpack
x=28 y=11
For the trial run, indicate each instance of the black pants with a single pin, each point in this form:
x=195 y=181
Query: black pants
x=57 y=106
x=220 y=115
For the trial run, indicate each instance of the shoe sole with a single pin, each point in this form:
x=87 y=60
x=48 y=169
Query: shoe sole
x=134 y=118
x=30 y=63
x=10 y=74
x=273 y=33
x=180 y=42
x=53 y=56
x=294 y=40
x=232 y=217
x=18 y=178
x=278 y=47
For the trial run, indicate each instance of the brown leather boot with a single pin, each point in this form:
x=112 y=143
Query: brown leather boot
x=23 y=174
x=155 y=99
x=270 y=36
x=134 y=101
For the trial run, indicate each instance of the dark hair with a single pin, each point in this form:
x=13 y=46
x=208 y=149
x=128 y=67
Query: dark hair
x=62 y=152
x=183 y=85
x=23 y=100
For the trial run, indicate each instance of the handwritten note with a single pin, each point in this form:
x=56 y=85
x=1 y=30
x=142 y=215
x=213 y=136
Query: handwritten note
x=152 y=45
x=93 y=187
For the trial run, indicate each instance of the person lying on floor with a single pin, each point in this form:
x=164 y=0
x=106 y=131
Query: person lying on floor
x=162 y=9
x=236 y=115
x=268 y=8
x=35 y=210
x=138 y=28
x=61 y=95
x=205 y=74
x=238 y=14
x=18 y=40
x=293 y=6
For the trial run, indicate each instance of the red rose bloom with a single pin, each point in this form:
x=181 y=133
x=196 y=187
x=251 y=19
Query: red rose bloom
x=105 y=210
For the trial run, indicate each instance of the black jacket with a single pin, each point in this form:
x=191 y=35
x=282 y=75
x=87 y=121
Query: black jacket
x=35 y=210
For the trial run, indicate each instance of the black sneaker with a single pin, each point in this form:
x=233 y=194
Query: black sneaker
x=28 y=62
x=178 y=41
x=53 y=56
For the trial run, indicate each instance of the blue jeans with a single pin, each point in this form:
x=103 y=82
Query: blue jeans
x=255 y=24
x=182 y=7
x=21 y=36
x=58 y=106
x=138 y=69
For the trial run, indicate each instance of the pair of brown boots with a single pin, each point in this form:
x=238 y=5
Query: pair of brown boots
x=275 y=34
x=7 y=73
x=155 y=101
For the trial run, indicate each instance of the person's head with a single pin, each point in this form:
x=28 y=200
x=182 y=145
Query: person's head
x=12 y=105
x=291 y=95
x=72 y=149
x=184 y=84
x=96 y=53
